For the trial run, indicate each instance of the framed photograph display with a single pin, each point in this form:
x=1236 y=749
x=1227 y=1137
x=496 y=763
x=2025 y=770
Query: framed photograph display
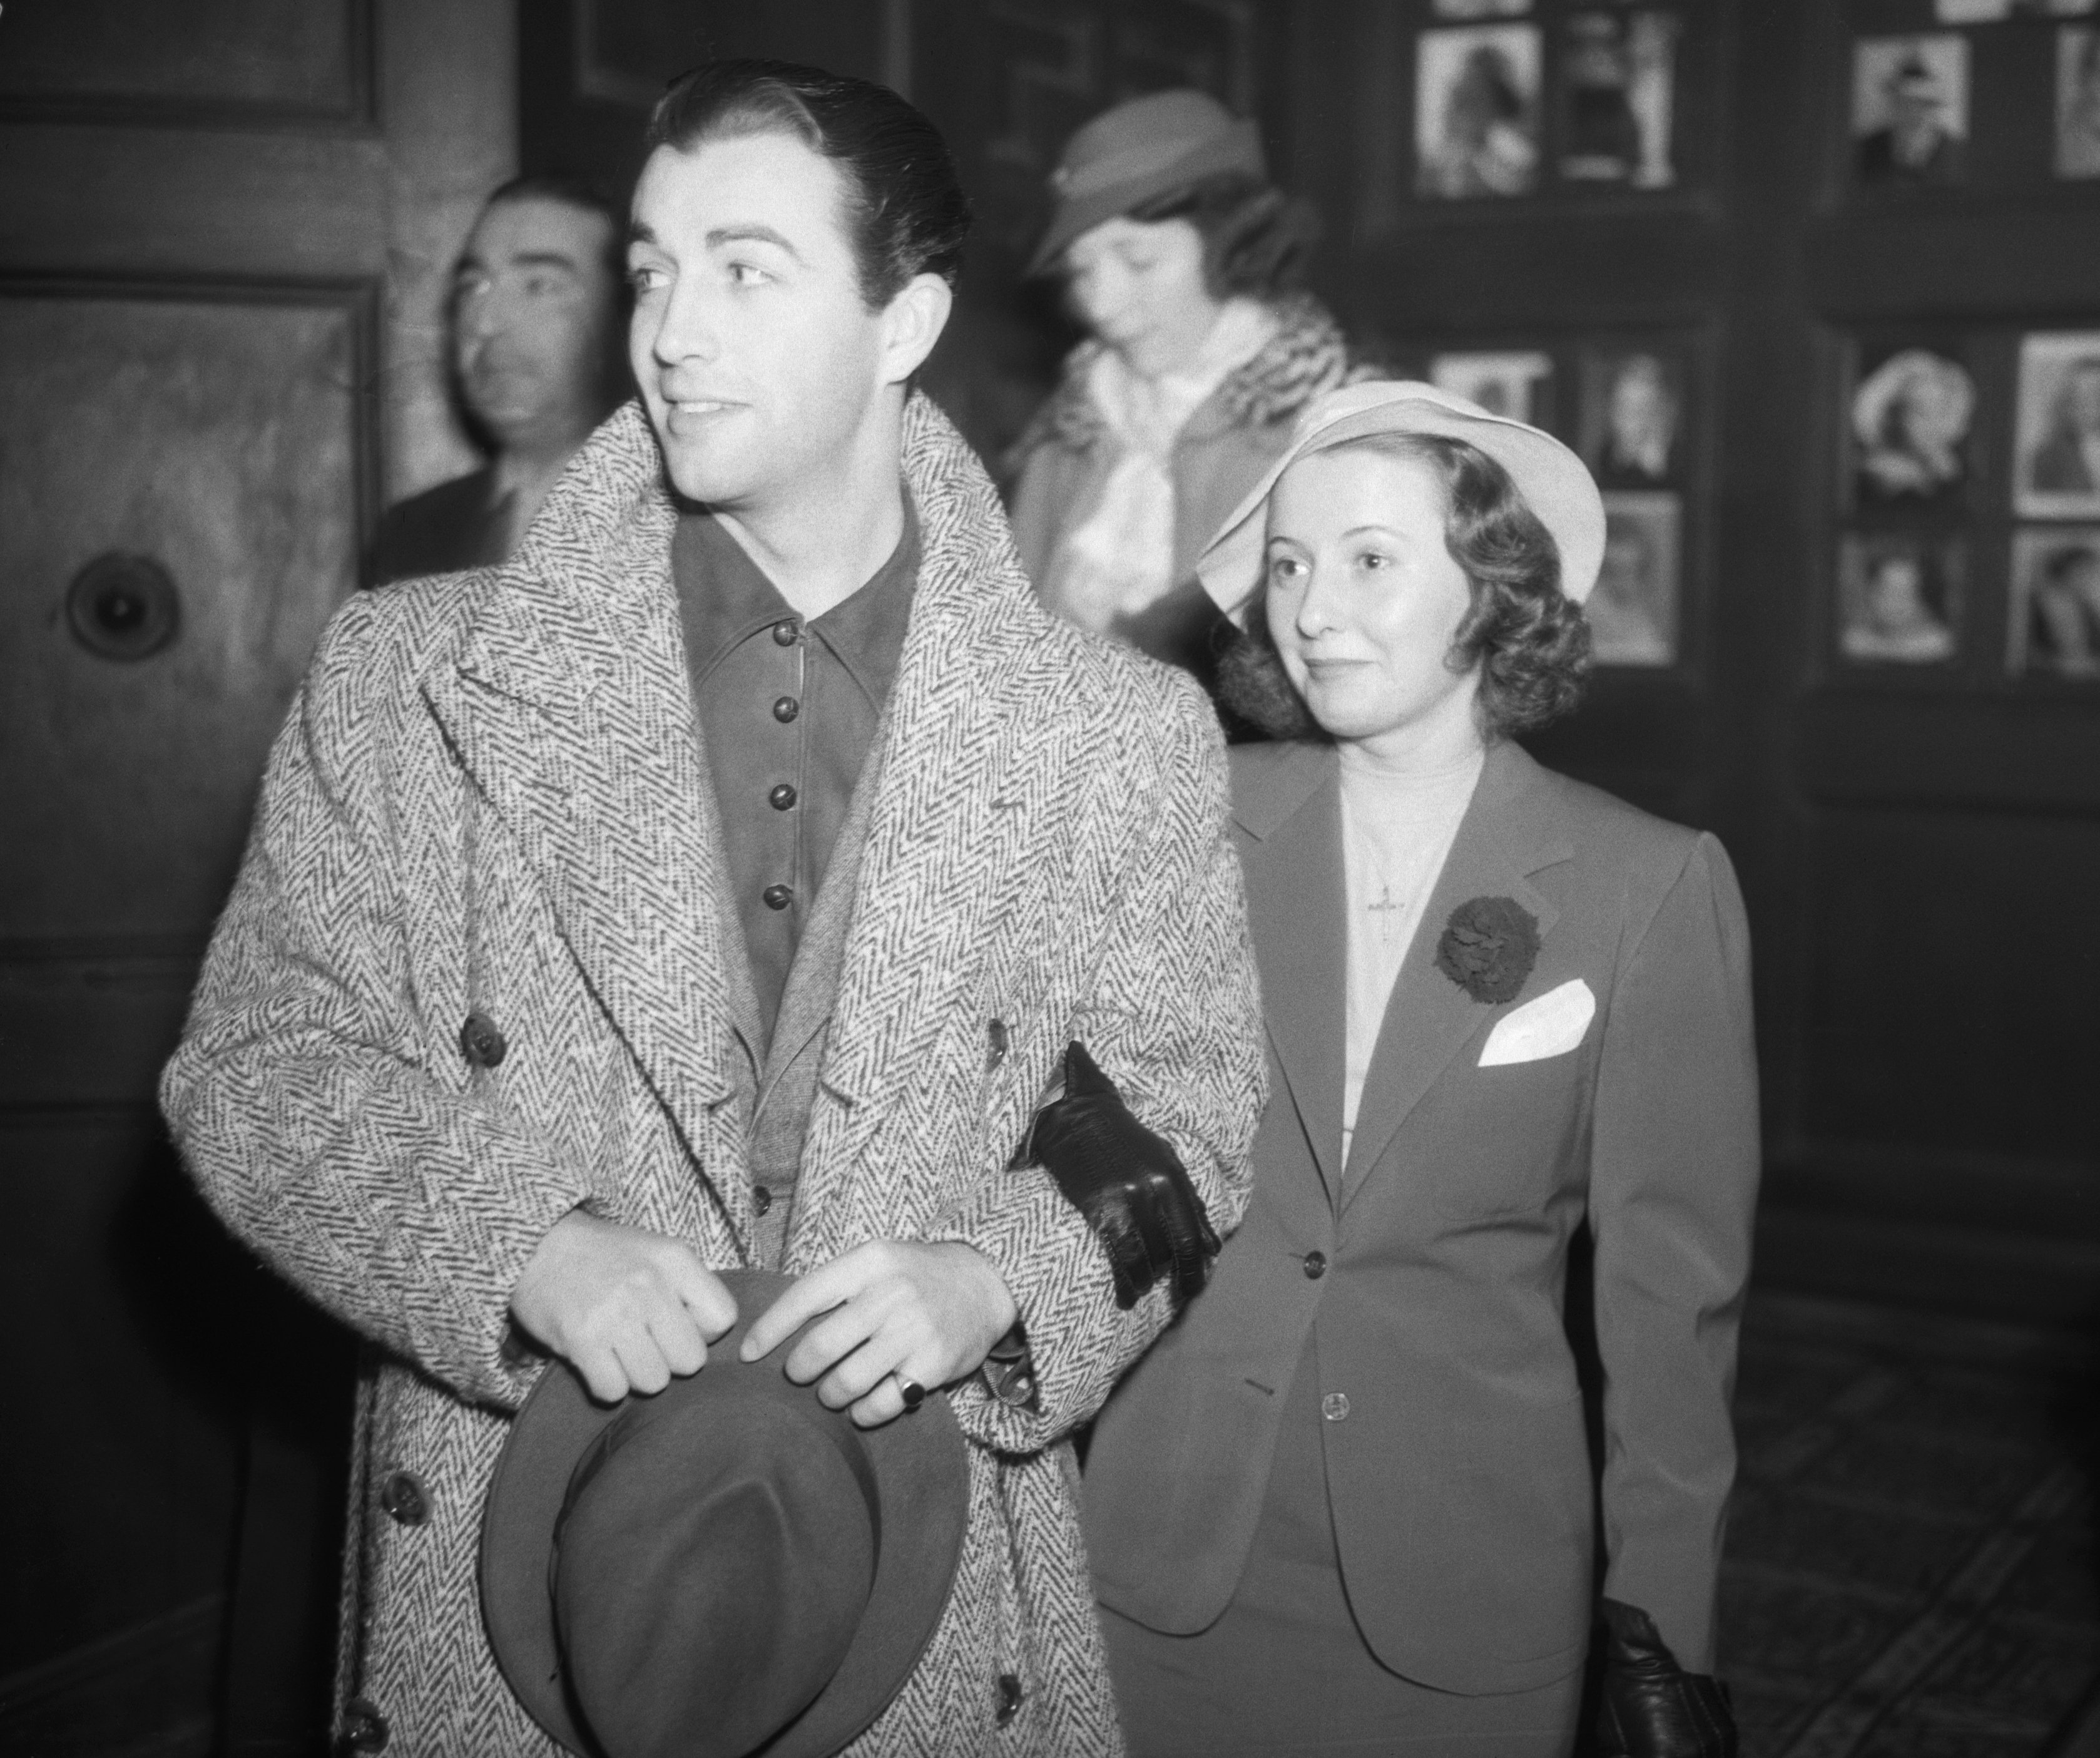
x=1633 y=612
x=1900 y=597
x=1912 y=410
x=2056 y=452
x=2053 y=627
x=1618 y=81
x=1519 y=383
x=1910 y=109
x=1633 y=415
x=1477 y=110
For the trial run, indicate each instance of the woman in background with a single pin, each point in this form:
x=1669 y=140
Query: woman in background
x=1346 y=1504
x=1183 y=261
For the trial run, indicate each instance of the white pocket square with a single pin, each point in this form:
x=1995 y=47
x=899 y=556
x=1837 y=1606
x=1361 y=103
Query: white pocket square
x=1551 y=1025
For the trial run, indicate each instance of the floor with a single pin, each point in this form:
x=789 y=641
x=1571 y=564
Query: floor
x=1912 y=1569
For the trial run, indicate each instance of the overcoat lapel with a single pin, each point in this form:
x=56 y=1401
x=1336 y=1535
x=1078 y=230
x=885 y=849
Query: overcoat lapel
x=1429 y=1017
x=570 y=710
x=1292 y=810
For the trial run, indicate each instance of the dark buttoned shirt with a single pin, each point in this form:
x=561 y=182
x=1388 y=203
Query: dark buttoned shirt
x=788 y=709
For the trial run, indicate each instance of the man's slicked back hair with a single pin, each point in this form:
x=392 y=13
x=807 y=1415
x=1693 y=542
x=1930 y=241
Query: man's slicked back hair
x=905 y=212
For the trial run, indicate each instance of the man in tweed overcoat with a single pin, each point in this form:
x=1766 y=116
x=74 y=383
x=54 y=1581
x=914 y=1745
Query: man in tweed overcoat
x=471 y=1053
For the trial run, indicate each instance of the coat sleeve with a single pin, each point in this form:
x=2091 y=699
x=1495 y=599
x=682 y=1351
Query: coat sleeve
x=303 y=1095
x=1174 y=1019
x=1673 y=1179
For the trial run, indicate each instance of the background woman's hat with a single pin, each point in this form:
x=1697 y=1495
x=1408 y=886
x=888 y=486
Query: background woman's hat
x=1151 y=146
x=724 y=1566
x=1555 y=484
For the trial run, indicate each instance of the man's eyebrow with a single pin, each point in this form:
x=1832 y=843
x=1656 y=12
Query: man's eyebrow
x=750 y=233
x=544 y=259
x=638 y=232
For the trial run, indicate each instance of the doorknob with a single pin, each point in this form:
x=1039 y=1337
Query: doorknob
x=123 y=607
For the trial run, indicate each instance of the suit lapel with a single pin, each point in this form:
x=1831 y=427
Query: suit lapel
x=570 y=710
x=1290 y=809
x=1429 y=1017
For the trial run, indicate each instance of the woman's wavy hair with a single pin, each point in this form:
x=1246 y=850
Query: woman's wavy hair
x=1256 y=240
x=1529 y=639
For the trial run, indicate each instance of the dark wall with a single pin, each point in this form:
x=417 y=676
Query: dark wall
x=1915 y=836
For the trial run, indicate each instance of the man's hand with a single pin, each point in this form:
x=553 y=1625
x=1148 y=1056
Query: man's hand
x=624 y=1307
x=930 y=1312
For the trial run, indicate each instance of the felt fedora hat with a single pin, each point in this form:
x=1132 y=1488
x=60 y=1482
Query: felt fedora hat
x=1148 y=147
x=725 y=1567
x=1555 y=484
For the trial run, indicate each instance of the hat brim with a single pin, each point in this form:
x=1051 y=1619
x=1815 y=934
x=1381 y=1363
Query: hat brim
x=1237 y=148
x=1555 y=484
x=922 y=1476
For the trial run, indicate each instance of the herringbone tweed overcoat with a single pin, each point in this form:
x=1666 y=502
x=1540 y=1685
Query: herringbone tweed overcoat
x=491 y=796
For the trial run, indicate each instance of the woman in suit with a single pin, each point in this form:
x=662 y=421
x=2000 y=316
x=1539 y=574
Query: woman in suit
x=1346 y=1504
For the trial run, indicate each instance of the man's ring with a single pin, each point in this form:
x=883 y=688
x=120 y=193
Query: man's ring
x=913 y=1394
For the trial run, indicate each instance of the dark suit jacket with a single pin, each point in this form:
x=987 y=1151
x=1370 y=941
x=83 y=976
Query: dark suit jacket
x=1459 y=1479
x=457 y=525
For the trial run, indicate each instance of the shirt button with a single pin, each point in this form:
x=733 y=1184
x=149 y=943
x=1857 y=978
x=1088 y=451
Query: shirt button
x=1316 y=1264
x=782 y=797
x=777 y=896
x=1335 y=1406
x=785 y=708
x=403 y=1498
x=784 y=634
x=762 y=1199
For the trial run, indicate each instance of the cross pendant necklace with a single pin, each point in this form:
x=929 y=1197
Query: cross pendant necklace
x=1387 y=912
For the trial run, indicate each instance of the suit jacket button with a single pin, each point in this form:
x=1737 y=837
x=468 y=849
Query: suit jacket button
x=1009 y=1698
x=402 y=1495
x=363 y=1729
x=785 y=708
x=781 y=798
x=785 y=633
x=481 y=1041
x=777 y=896
x=1316 y=1264
x=996 y=1033
x=1335 y=1406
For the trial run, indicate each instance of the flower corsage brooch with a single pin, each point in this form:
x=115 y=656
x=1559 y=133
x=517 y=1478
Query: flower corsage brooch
x=1489 y=947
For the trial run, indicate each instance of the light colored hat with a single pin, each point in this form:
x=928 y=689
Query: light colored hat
x=1555 y=484
x=1149 y=147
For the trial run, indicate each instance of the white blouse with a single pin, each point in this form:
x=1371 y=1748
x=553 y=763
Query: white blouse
x=1396 y=832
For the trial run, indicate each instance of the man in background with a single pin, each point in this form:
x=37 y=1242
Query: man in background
x=537 y=329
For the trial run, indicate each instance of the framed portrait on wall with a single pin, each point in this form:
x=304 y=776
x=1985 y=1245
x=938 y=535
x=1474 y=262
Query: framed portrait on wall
x=2053 y=630
x=1518 y=383
x=1912 y=410
x=1633 y=415
x=1618 y=75
x=2056 y=454
x=1900 y=597
x=1477 y=108
x=1633 y=612
x=1910 y=109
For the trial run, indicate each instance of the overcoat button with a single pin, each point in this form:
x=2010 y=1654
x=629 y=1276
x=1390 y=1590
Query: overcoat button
x=781 y=799
x=363 y=1729
x=1335 y=1406
x=403 y=1496
x=762 y=1199
x=1009 y=1697
x=785 y=708
x=996 y=1031
x=784 y=634
x=1316 y=1264
x=777 y=896
x=481 y=1041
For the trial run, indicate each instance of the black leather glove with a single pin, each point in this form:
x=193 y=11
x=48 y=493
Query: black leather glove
x=1650 y=1707
x=1129 y=1184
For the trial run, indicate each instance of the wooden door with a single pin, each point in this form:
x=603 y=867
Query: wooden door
x=225 y=227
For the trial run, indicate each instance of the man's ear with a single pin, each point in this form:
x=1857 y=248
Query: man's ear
x=912 y=323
